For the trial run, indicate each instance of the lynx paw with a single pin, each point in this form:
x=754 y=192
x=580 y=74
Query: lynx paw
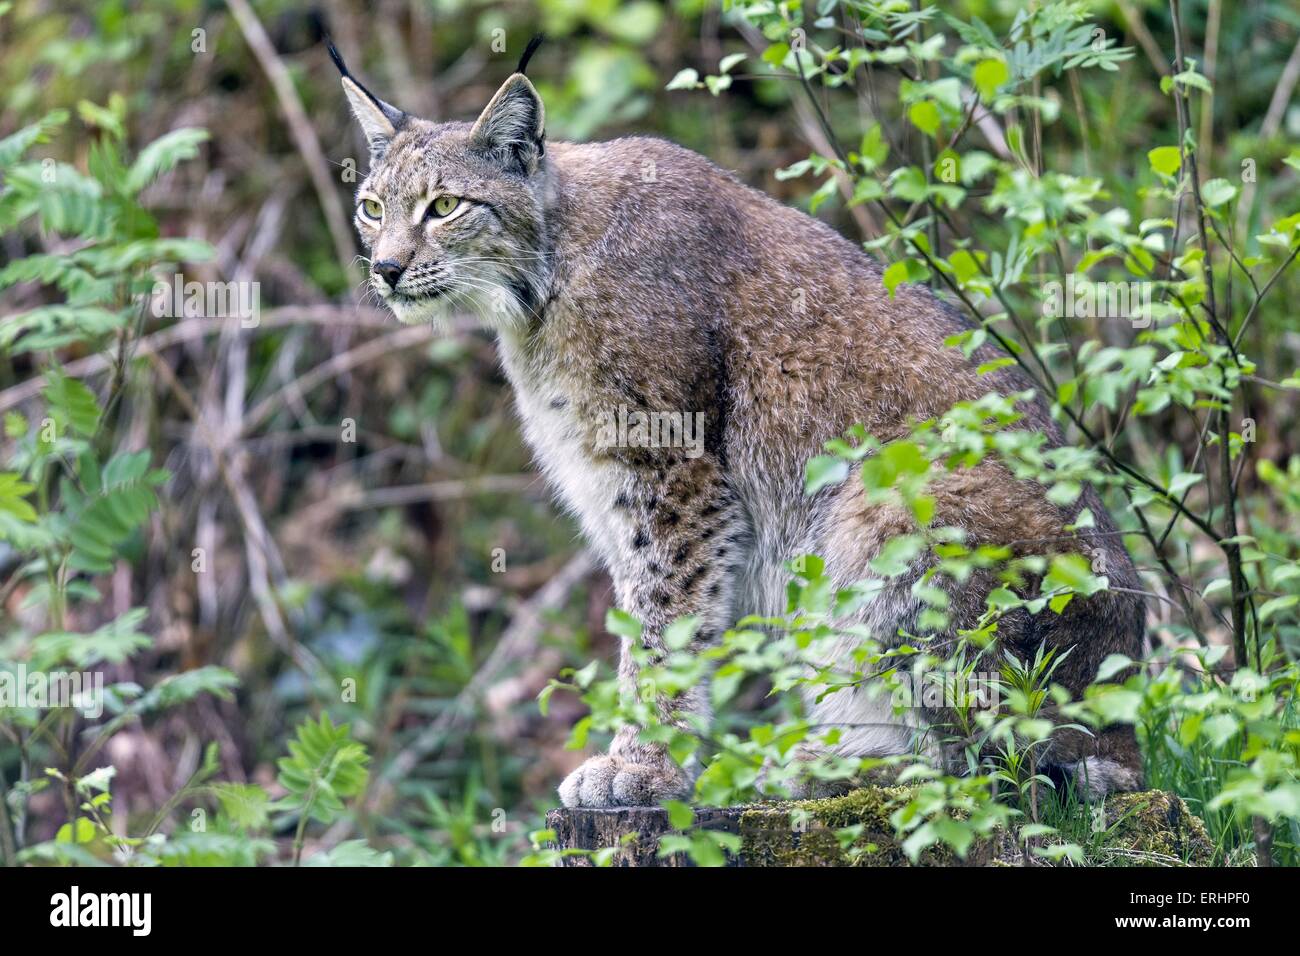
x=614 y=782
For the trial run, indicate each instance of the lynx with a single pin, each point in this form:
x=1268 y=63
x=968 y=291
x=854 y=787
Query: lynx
x=635 y=276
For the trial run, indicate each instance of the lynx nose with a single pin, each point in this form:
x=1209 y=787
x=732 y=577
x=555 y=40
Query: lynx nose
x=389 y=270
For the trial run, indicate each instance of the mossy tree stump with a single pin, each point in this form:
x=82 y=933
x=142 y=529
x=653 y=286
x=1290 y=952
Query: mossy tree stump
x=1148 y=828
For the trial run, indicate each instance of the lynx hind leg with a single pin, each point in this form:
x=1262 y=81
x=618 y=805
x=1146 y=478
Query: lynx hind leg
x=992 y=506
x=1107 y=760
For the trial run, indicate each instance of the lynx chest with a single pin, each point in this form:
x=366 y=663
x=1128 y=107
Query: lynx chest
x=553 y=427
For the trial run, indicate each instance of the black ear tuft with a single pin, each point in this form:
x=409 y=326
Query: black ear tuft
x=533 y=44
x=379 y=120
x=336 y=56
x=395 y=116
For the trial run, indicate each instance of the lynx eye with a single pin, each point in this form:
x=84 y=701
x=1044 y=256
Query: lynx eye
x=444 y=206
x=371 y=209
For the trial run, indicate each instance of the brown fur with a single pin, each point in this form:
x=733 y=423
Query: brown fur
x=636 y=273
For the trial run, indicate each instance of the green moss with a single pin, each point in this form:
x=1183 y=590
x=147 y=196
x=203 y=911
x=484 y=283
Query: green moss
x=1150 y=828
x=769 y=839
x=870 y=805
x=1153 y=827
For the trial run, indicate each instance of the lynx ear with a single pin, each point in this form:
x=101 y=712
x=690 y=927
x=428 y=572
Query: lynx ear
x=379 y=121
x=512 y=128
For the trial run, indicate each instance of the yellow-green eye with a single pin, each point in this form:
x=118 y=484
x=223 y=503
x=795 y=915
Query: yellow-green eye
x=372 y=209
x=445 y=205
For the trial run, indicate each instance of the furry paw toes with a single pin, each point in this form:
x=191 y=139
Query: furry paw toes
x=613 y=782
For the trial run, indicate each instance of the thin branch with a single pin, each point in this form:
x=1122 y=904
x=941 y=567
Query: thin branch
x=257 y=538
x=404 y=338
x=199 y=327
x=300 y=128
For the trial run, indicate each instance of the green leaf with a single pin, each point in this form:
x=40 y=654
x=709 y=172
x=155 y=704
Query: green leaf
x=994 y=364
x=909 y=184
x=776 y=53
x=1112 y=665
x=13 y=501
x=866 y=189
x=680 y=815
x=621 y=624
x=1193 y=79
x=729 y=62
x=988 y=75
x=1058 y=851
x=184 y=687
x=163 y=154
x=15 y=144
x=686 y=79
x=81 y=831
x=873 y=149
x=114 y=643
x=1215 y=586
x=897 y=555
x=54 y=326
x=1031 y=830
x=678 y=634
x=1182 y=481
x=1216 y=192
x=634 y=23
x=101 y=117
x=824 y=192
x=246 y=805
x=120 y=502
x=351 y=853
x=895 y=275
x=1277 y=604
x=822 y=471
x=716 y=84
x=900 y=459
x=794 y=170
x=924 y=116
x=1072 y=572
x=964 y=266
x=98 y=780
x=1165 y=159
x=325 y=766
x=72 y=403
x=1220 y=728
x=1060 y=602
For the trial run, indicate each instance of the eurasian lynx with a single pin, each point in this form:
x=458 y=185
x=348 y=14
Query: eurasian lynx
x=635 y=277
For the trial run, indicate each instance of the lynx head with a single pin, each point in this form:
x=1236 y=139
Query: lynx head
x=452 y=213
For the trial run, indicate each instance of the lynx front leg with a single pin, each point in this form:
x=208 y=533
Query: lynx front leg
x=681 y=538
